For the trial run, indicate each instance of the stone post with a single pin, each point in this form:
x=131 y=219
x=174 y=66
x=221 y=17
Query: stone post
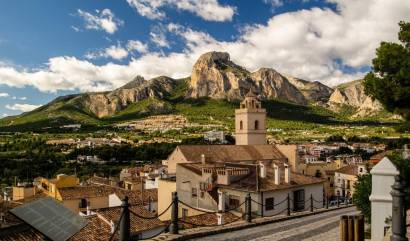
x=174 y=229
x=125 y=221
x=311 y=203
x=288 y=202
x=248 y=206
x=398 y=211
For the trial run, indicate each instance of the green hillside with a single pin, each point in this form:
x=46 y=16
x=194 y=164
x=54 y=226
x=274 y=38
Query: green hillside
x=69 y=110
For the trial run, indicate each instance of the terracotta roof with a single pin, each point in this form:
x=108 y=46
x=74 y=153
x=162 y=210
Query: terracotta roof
x=138 y=225
x=70 y=193
x=96 y=229
x=350 y=170
x=134 y=197
x=207 y=219
x=233 y=153
x=21 y=232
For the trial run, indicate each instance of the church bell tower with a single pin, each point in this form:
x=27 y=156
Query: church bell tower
x=250 y=121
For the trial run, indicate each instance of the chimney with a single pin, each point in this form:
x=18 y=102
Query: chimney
x=287 y=173
x=277 y=174
x=203 y=158
x=262 y=169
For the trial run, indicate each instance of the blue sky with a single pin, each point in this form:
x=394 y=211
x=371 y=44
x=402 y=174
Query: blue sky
x=50 y=48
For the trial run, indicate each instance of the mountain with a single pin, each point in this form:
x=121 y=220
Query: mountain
x=214 y=77
x=312 y=91
x=352 y=94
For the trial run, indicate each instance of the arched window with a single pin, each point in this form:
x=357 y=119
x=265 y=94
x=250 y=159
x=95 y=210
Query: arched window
x=253 y=104
x=241 y=125
x=256 y=125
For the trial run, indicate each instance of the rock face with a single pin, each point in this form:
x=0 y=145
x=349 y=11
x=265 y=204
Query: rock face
x=214 y=75
x=352 y=94
x=270 y=84
x=108 y=103
x=312 y=91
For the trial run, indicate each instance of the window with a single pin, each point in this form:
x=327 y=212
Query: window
x=241 y=125
x=202 y=194
x=233 y=201
x=129 y=186
x=269 y=203
x=83 y=203
x=194 y=192
x=184 y=212
x=256 y=125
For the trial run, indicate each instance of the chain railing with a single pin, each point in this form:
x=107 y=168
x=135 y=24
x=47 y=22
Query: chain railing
x=174 y=225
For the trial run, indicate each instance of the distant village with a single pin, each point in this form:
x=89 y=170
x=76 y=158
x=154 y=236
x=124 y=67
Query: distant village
x=207 y=179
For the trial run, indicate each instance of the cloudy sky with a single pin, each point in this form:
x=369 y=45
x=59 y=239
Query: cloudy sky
x=50 y=48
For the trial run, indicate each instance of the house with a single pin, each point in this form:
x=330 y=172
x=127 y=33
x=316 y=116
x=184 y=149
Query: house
x=23 y=191
x=51 y=186
x=147 y=198
x=215 y=136
x=345 y=179
x=269 y=182
x=85 y=198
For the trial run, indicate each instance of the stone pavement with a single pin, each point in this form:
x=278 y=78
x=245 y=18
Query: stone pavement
x=324 y=226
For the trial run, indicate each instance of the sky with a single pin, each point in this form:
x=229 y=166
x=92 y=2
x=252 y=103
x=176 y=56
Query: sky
x=50 y=48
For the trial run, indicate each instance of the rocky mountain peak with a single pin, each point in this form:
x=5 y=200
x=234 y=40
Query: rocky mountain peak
x=211 y=58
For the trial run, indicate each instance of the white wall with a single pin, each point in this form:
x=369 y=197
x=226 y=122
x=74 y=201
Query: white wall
x=381 y=200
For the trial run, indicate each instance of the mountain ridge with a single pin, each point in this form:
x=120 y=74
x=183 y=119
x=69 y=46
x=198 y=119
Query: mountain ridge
x=214 y=76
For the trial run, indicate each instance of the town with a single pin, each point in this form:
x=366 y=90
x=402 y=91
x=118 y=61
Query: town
x=213 y=185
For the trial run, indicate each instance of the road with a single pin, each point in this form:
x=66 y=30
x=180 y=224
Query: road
x=318 y=227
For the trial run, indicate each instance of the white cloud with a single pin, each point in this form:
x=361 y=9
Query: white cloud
x=159 y=38
x=3 y=95
x=102 y=20
x=136 y=45
x=210 y=10
x=22 y=107
x=274 y=3
x=118 y=52
x=23 y=98
x=305 y=44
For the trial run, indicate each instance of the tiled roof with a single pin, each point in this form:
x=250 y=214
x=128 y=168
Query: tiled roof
x=207 y=219
x=21 y=232
x=134 y=197
x=350 y=170
x=233 y=153
x=138 y=225
x=96 y=229
x=70 y=193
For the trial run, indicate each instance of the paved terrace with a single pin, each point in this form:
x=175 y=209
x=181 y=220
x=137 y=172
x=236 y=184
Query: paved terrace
x=318 y=226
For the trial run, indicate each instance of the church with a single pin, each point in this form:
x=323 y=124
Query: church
x=209 y=177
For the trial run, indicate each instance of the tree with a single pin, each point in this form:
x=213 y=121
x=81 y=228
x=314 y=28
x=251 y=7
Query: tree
x=389 y=80
x=363 y=189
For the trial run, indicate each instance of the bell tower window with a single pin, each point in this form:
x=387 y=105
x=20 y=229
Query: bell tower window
x=256 y=125
x=241 y=125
